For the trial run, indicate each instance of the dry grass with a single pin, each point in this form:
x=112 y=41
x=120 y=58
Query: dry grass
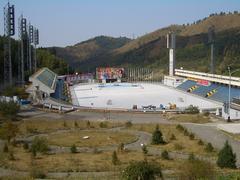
x=96 y=138
x=188 y=146
x=31 y=126
x=192 y=118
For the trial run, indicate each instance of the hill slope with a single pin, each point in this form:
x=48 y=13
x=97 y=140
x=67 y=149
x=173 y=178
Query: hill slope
x=193 y=52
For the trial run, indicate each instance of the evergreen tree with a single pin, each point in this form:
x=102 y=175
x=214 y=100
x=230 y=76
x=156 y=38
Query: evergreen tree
x=226 y=157
x=157 y=136
x=115 y=159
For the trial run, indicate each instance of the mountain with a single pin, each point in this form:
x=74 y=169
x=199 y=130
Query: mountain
x=92 y=48
x=193 y=50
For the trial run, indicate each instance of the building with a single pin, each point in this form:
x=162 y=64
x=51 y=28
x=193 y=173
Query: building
x=43 y=84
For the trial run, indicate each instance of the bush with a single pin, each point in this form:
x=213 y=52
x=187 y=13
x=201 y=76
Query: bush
x=157 y=136
x=115 y=160
x=37 y=173
x=121 y=147
x=88 y=124
x=73 y=149
x=75 y=124
x=64 y=124
x=200 y=142
x=39 y=144
x=180 y=127
x=128 y=124
x=142 y=170
x=165 y=155
x=25 y=146
x=226 y=157
x=209 y=147
x=9 y=109
x=196 y=169
x=5 y=148
x=8 y=131
x=173 y=137
x=192 y=110
x=191 y=157
x=103 y=124
x=178 y=146
x=185 y=132
x=11 y=156
x=144 y=149
x=191 y=136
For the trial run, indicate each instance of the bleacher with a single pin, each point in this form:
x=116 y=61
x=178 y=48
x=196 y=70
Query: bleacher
x=220 y=95
x=59 y=92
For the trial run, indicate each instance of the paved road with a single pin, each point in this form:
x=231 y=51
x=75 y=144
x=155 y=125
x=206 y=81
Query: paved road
x=210 y=133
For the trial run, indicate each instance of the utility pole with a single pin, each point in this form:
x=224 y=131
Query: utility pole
x=211 y=37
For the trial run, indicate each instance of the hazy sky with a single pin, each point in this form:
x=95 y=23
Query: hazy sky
x=66 y=22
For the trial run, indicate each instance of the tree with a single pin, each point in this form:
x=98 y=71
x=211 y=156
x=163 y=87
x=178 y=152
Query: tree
x=9 y=109
x=115 y=159
x=73 y=149
x=226 y=157
x=39 y=144
x=192 y=109
x=8 y=131
x=144 y=149
x=142 y=170
x=157 y=136
x=209 y=147
x=165 y=155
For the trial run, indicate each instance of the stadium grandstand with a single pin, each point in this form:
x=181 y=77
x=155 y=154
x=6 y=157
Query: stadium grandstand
x=214 y=87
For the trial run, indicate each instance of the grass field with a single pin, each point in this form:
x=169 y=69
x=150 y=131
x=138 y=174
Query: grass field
x=96 y=138
x=191 y=118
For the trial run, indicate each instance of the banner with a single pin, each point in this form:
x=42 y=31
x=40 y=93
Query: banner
x=109 y=73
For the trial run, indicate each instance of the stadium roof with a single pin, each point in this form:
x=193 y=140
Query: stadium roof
x=45 y=79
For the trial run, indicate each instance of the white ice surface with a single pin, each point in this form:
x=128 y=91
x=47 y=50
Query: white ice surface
x=125 y=96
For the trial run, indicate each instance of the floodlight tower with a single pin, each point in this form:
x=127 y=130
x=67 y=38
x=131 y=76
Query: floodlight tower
x=22 y=33
x=171 y=45
x=36 y=42
x=30 y=41
x=9 y=30
x=211 y=37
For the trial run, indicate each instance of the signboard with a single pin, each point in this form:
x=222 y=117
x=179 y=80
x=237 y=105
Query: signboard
x=203 y=82
x=109 y=73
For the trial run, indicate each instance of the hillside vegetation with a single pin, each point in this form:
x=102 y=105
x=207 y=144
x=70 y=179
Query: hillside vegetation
x=193 y=50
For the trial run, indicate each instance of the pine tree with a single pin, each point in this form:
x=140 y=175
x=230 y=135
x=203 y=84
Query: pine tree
x=115 y=159
x=226 y=157
x=157 y=136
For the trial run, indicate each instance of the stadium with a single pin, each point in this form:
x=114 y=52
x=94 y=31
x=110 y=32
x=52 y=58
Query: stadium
x=134 y=89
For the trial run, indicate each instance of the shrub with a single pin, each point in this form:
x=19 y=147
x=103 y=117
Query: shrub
x=142 y=170
x=8 y=131
x=121 y=147
x=173 y=137
x=37 y=173
x=191 y=157
x=144 y=149
x=128 y=124
x=206 y=113
x=157 y=136
x=115 y=160
x=180 y=127
x=226 y=157
x=75 y=124
x=73 y=149
x=64 y=124
x=209 y=147
x=191 y=136
x=185 y=132
x=5 y=148
x=200 y=142
x=165 y=155
x=9 y=109
x=192 y=109
x=11 y=156
x=39 y=144
x=103 y=124
x=25 y=146
x=178 y=146
x=88 y=124
x=196 y=169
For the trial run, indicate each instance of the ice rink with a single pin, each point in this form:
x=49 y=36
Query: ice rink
x=125 y=95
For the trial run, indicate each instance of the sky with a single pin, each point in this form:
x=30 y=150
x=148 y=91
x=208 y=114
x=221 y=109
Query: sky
x=67 y=22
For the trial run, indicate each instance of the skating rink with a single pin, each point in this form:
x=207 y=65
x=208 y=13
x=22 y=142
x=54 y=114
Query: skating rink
x=125 y=95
